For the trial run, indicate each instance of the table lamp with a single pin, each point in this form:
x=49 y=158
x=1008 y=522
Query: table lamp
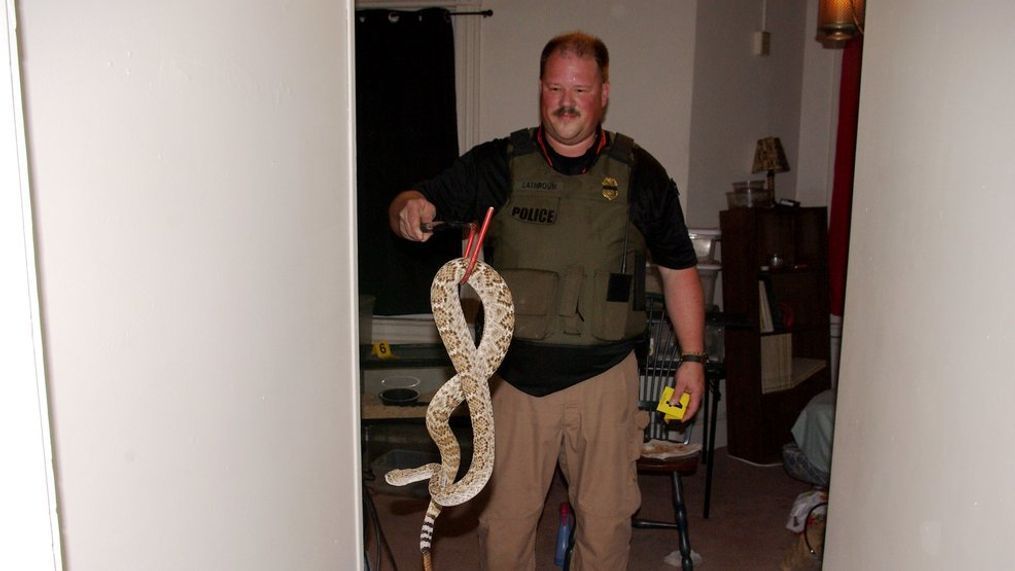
x=769 y=156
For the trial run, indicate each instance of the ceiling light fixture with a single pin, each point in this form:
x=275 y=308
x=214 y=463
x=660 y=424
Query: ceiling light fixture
x=840 y=21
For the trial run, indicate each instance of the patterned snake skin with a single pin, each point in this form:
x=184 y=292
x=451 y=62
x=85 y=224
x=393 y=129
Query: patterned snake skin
x=474 y=367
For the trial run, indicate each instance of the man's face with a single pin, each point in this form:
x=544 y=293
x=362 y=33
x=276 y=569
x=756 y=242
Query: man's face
x=572 y=102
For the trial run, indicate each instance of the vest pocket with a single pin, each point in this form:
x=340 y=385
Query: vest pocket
x=534 y=293
x=613 y=320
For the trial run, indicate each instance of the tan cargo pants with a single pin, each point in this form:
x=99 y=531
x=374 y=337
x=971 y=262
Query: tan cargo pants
x=595 y=431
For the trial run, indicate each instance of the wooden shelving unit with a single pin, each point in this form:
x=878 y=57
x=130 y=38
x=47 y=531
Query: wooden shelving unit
x=772 y=372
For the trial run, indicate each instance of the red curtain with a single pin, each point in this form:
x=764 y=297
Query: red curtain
x=842 y=183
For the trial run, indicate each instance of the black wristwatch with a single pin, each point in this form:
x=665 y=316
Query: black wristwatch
x=694 y=358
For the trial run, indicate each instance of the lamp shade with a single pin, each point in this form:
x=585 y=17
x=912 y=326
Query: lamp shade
x=769 y=156
x=840 y=20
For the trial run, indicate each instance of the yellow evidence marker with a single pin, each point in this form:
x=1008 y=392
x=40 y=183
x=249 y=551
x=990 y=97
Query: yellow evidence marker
x=382 y=350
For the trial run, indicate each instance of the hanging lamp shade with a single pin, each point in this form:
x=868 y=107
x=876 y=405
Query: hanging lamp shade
x=840 y=20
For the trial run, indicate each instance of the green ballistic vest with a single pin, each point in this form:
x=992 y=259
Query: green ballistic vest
x=565 y=246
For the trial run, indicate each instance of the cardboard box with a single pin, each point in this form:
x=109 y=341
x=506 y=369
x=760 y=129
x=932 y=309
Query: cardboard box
x=776 y=362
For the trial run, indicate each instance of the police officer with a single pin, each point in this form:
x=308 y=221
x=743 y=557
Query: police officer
x=578 y=208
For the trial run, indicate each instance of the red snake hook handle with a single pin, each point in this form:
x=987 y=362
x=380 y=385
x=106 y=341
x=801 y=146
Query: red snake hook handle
x=474 y=245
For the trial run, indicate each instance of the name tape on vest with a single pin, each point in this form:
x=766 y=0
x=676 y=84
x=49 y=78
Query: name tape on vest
x=539 y=185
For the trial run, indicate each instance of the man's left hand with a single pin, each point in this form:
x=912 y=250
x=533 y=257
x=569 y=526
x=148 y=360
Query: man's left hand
x=690 y=379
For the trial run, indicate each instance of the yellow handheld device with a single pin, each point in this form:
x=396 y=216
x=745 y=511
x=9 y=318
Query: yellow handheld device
x=672 y=412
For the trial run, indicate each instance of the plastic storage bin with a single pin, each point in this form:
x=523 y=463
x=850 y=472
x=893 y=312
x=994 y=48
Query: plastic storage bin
x=706 y=242
x=749 y=194
x=708 y=274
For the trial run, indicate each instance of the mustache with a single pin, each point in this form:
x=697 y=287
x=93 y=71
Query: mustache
x=566 y=110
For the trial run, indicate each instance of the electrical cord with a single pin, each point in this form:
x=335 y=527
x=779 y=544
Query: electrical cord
x=370 y=515
x=755 y=464
x=370 y=509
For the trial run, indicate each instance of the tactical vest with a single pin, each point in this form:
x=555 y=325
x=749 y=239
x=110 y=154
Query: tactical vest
x=565 y=246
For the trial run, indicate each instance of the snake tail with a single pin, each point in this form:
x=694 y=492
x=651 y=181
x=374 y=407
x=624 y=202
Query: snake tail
x=426 y=533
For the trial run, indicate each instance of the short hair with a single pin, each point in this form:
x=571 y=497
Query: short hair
x=580 y=44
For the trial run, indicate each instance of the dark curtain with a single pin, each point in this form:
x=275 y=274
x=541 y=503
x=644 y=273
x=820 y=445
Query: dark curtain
x=406 y=131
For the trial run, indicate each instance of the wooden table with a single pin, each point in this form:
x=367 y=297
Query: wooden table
x=371 y=408
x=405 y=356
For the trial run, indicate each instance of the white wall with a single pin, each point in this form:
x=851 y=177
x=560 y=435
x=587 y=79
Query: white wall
x=922 y=473
x=740 y=97
x=813 y=170
x=192 y=177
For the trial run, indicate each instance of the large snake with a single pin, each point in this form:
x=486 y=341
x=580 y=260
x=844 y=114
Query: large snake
x=474 y=366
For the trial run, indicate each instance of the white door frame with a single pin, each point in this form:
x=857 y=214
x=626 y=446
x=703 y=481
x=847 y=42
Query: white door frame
x=29 y=524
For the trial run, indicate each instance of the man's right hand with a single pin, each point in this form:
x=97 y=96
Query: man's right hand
x=408 y=211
